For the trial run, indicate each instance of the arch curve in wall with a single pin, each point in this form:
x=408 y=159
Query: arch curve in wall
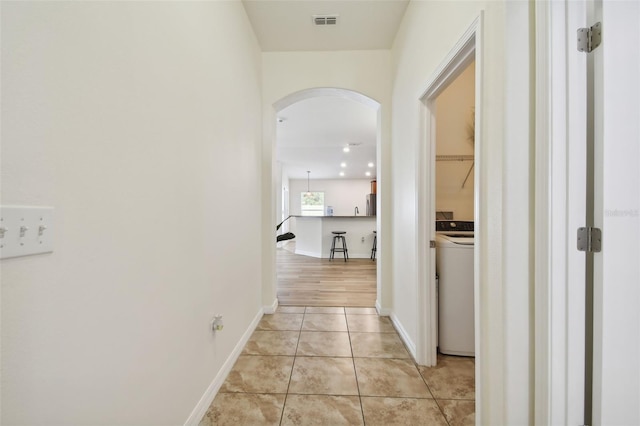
x=325 y=91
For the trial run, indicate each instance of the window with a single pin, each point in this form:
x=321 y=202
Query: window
x=312 y=203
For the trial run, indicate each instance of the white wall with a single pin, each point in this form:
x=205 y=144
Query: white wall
x=454 y=125
x=616 y=296
x=365 y=72
x=285 y=188
x=428 y=33
x=128 y=118
x=343 y=194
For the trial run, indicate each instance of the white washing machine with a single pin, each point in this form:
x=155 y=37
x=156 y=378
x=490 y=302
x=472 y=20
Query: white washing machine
x=454 y=266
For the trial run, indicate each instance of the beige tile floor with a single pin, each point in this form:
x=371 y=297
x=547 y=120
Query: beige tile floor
x=339 y=366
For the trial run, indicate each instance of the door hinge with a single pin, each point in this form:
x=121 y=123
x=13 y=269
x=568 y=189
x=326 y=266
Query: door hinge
x=589 y=38
x=432 y=244
x=590 y=240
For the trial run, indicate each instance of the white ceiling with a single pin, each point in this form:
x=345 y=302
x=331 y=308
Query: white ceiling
x=288 y=25
x=312 y=133
x=315 y=130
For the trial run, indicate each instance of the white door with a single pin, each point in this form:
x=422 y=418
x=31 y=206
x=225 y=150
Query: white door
x=612 y=203
x=616 y=372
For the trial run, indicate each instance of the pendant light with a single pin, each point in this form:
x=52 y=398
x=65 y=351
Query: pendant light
x=308 y=191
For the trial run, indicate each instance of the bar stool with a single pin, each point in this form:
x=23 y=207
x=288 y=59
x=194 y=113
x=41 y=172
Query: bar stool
x=339 y=236
x=374 y=249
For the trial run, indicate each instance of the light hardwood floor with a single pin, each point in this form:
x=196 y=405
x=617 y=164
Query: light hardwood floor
x=308 y=281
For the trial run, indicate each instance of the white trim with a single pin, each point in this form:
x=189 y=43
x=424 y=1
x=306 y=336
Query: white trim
x=338 y=256
x=426 y=349
x=309 y=253
x=203 y=405
x=382 y=312
x=462 y=54
x=271 y=309
x=479 y=205
x=542 y=333
x=559 y=210
x=411 y=346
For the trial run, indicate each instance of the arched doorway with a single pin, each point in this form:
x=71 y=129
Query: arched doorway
x=273 y=192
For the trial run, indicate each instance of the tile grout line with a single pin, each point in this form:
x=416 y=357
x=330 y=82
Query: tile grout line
x=431 y=393
x=441 y=410
x=286 y=395
x=355 y=371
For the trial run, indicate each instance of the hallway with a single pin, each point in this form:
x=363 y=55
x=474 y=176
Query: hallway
x=339 y=366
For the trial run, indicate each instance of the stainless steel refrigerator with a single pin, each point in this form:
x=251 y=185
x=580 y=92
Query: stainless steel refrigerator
x=371 y=204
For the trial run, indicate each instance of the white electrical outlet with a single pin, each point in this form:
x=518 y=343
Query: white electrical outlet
x=363 y=239
x=216 y=323
x=25 y=230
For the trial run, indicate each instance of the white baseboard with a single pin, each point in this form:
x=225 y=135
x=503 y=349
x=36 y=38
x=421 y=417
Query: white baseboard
x=203 y=405
x=309 y=253
x=352 y=255
x=404 y=336
x=271 y=309
x=382 y=312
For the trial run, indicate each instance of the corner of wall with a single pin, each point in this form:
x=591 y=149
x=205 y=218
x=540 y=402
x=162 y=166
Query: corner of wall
x=383 y=312
x=209 y=395
x=411 y=346
x=271 y=309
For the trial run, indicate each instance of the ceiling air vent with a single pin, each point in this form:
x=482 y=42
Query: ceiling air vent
x=325 y=19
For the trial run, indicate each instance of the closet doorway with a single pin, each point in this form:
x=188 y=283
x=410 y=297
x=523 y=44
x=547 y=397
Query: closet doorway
x=460 y=58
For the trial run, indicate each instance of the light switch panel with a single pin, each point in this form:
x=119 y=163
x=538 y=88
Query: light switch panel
x=25 y=230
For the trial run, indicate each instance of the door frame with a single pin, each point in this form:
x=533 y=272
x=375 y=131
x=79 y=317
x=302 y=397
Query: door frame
x=560 y=208
x=468 y=48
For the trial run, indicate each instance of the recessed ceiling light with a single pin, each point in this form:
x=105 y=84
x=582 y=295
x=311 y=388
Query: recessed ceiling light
x=346 y=149
x=370 y=164
x=368 y=173
x=341 y=173
x=343 y=164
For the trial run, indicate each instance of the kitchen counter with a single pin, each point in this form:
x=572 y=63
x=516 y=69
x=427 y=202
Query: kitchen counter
x=352 y=217
x=314 y=237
